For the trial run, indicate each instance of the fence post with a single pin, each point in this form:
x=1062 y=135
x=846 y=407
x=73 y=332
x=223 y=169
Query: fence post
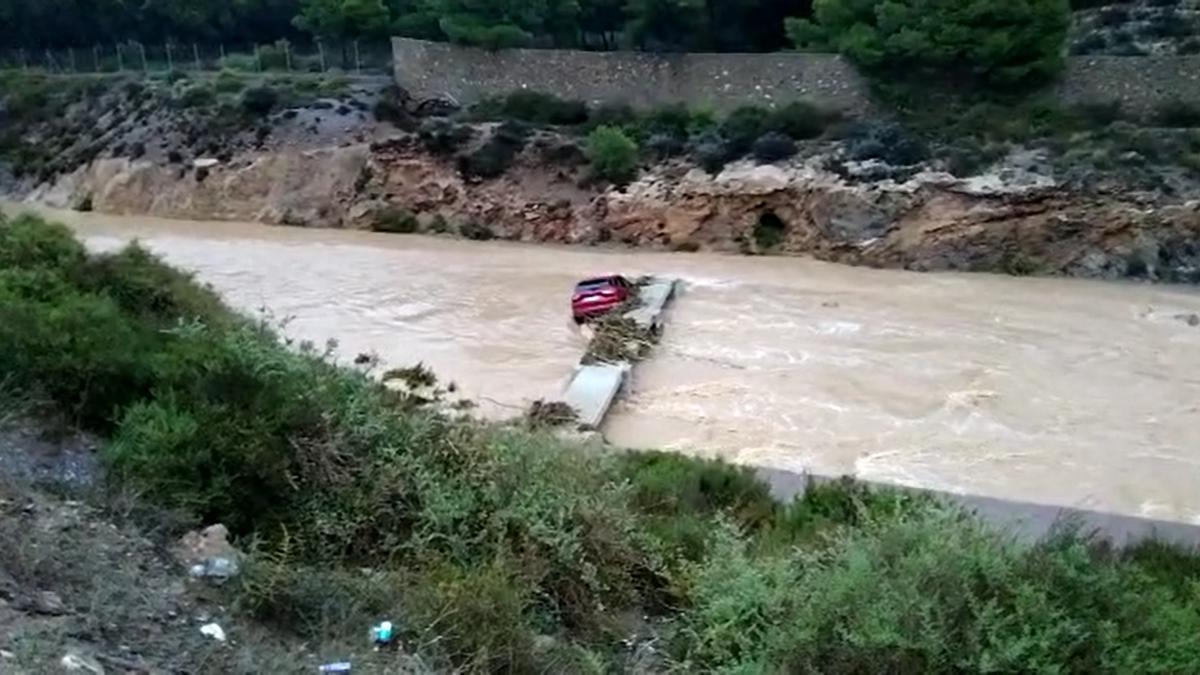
x=222 y=50
x=321 y=50
x=120 y=58
x=196 y=55
x=49 y=61
x=24 y=61
x=71 y=57
x=357 y=60
x=145 y=65
x=258 y=57
x=287 y=55
x=96 y=57
x=170 y=61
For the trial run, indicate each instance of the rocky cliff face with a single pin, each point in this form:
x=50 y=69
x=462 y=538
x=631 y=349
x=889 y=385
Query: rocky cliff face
x=1009 y=221
x=300 y=187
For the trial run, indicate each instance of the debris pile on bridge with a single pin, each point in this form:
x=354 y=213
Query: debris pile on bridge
x=621 y=339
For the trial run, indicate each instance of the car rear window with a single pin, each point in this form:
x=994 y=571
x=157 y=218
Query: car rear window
x=593 y=284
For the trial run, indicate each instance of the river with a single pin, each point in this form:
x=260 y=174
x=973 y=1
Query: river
x=1067 y=392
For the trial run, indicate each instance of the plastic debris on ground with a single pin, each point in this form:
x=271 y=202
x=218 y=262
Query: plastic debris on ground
x=382 y=634
x=214 y=631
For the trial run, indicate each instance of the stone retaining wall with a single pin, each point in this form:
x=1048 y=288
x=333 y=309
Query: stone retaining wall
x=725 y=81
x=1140 y=83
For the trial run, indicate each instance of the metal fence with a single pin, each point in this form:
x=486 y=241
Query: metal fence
x=283 y=56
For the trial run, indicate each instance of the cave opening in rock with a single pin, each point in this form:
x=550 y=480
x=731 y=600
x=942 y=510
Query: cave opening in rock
x=769 y=231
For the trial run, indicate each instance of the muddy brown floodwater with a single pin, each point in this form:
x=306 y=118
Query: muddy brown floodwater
x=1065 y=392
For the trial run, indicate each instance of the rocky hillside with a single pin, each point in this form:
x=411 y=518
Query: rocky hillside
x=1096 y=195
x=1137 y=28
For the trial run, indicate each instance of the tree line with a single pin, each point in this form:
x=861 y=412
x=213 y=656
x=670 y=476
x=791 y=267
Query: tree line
x=994 y=41
x=666 y=25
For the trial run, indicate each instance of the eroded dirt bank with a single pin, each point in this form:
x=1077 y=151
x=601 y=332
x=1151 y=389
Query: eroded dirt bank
x=323 y=156
x=932 y=221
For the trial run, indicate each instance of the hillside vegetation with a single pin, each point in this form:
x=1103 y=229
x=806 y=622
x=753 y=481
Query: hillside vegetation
x=1015 y=32
x=498 y=548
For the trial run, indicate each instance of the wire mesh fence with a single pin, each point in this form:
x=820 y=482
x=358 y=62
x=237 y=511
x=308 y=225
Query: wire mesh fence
x=350 y=57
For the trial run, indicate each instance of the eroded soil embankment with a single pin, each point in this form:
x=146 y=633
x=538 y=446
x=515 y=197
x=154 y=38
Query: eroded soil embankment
x=931 y=221
x=319 y=153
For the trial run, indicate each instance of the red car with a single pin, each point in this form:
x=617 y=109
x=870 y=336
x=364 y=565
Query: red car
x=594 y=297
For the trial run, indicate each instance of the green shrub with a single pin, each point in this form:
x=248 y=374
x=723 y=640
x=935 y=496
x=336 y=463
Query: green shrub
x=614 y=156
x=275 y=56
x=772 y=147
x=1172 y=565
x=395 y=219
x=240 y=63
x=671 y=120
x=676 y=121
x=535 y=108
x=443 y=137
x=229 y=82
x=664 y=146
x=27 y=242
x=613 y=115
x=390 y=111
x=1097 y=115
x=476 y=231
x=889 y=142
x=1177 y=113
x=49 y=342
x=932 y=592
x=259 y=101
x=470 y=30
x=511 y=133
x=669 y=484
x=561 y=151
x=969 y=157
x=710 y=151
x=143 y=286
x=991 y=42
x=482 y=611
x=799 y=120
x=312 y=601
x=743 y=126
x=829 y=505
x=197 y=96
x=1020 y=265
x=494 y=157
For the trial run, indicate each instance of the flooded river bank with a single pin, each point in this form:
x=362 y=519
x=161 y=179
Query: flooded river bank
x=1058 y=391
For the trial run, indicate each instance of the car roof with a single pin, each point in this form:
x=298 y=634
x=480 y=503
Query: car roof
x=599 y=280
